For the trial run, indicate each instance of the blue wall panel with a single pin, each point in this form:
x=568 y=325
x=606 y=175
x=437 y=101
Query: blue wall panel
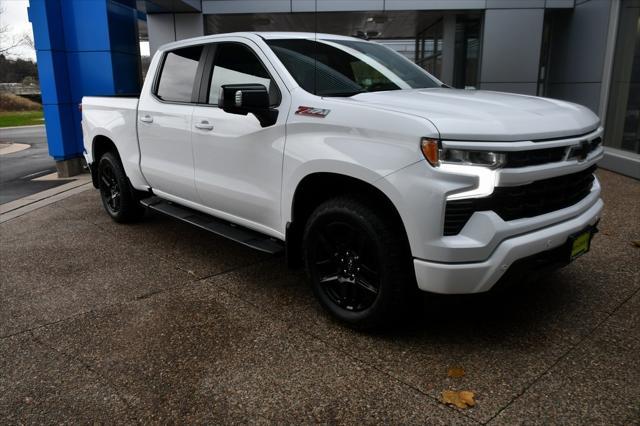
x=84 y=48
x=54 y=76
x=59 y=119
x=86 y=25
x=46 y=20
x=91 y=74
x=122 y=28
x=126 y=83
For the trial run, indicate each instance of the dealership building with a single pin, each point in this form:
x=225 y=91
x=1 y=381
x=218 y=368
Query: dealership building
x=584 y=51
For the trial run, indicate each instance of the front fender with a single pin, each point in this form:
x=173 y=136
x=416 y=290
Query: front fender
x=352 y=139
x=334 y=166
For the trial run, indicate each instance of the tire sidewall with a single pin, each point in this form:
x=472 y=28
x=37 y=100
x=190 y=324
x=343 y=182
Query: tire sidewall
x=324 y=215
x=109 y=160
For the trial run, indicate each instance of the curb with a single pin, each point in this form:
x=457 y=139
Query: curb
x=14 y=147
x=17 y=208
x=21 y=127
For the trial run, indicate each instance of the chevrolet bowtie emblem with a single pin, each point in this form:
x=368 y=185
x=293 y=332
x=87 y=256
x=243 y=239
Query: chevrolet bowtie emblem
x=582 y=151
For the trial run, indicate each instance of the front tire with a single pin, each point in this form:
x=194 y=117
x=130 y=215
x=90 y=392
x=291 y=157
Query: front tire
x=118 y=197
x=358 y=261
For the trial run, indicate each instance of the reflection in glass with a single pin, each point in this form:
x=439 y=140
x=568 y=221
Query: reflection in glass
x=178 y=74
x=429 y=49
x=623 y=111
x=236 y=64
x=467 y=52
x=345 y=67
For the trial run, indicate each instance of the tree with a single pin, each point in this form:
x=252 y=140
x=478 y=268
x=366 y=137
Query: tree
x=16 y=70
x=9 y=42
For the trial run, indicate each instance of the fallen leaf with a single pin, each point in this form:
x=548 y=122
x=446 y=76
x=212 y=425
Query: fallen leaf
x=455 y=372
x=467 y=397
x=451 y=397
x=461 y=399
x=636 y=243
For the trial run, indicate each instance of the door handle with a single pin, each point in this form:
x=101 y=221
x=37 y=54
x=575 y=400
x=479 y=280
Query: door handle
x=204 y=125
x=146 y=119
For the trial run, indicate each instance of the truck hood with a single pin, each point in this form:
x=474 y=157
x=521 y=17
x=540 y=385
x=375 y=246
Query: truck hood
x=479 y=115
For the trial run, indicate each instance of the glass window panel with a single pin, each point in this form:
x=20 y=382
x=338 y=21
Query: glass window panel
x=622 y=130
x=345 y=67
x=237 y=64
x=178 y=74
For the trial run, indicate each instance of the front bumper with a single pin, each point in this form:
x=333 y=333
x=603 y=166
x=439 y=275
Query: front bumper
x=477 y=277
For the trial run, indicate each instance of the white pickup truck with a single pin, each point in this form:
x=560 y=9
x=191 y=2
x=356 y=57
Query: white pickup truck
x=353 y=161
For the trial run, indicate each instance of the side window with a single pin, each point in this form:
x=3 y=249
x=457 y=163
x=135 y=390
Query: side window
x=178 y=74
x=237 y=64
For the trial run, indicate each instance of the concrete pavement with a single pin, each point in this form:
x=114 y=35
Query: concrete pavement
x=161 y=322
x=18 y=169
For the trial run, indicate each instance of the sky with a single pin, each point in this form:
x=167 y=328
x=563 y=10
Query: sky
x=15 y=16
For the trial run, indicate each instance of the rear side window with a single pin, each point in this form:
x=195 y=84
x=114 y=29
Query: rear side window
x=178 y=74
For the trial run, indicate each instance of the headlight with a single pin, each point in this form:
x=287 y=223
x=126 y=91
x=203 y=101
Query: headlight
x=436 y=155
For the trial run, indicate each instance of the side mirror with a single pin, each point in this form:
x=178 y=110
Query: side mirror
x=248 y=98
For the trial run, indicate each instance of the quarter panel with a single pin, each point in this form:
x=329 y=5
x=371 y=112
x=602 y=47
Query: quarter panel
x=114 y=118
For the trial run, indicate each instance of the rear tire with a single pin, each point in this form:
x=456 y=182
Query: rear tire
x=118 y=197
x=358 y=261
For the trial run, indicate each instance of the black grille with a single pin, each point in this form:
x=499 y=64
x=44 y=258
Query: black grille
x=535 y=157
x=516 y=202
x=582 y=151
x=456 y=215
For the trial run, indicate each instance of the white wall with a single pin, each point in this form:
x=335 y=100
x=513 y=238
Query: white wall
x=167 y=27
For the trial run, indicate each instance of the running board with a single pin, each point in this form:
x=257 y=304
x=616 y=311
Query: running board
x=220 y=227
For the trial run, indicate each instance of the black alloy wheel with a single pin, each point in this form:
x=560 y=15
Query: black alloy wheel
x=345 y=265
x=110 y=189
x=118 y=197
x=358 y=260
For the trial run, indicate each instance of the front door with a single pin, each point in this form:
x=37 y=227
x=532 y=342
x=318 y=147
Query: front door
x=238 y=163
x=164 y=125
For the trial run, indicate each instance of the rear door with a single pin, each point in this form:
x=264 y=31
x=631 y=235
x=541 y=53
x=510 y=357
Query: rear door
x=164 y=123
x=238 y=163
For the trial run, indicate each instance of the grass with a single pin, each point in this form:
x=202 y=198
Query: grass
x=20 y=118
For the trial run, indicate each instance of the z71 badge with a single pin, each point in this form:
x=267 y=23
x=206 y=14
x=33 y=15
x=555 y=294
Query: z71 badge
x=313 y=112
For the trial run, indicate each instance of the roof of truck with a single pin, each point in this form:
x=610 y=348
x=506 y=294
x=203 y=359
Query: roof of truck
x=266 y=35
x=269 y=35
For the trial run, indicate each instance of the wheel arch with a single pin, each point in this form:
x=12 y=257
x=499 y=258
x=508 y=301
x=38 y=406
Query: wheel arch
x=100 y=145
x=316 y=188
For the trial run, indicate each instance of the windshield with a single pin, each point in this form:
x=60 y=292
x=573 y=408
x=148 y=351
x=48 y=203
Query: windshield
x=348 y=67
